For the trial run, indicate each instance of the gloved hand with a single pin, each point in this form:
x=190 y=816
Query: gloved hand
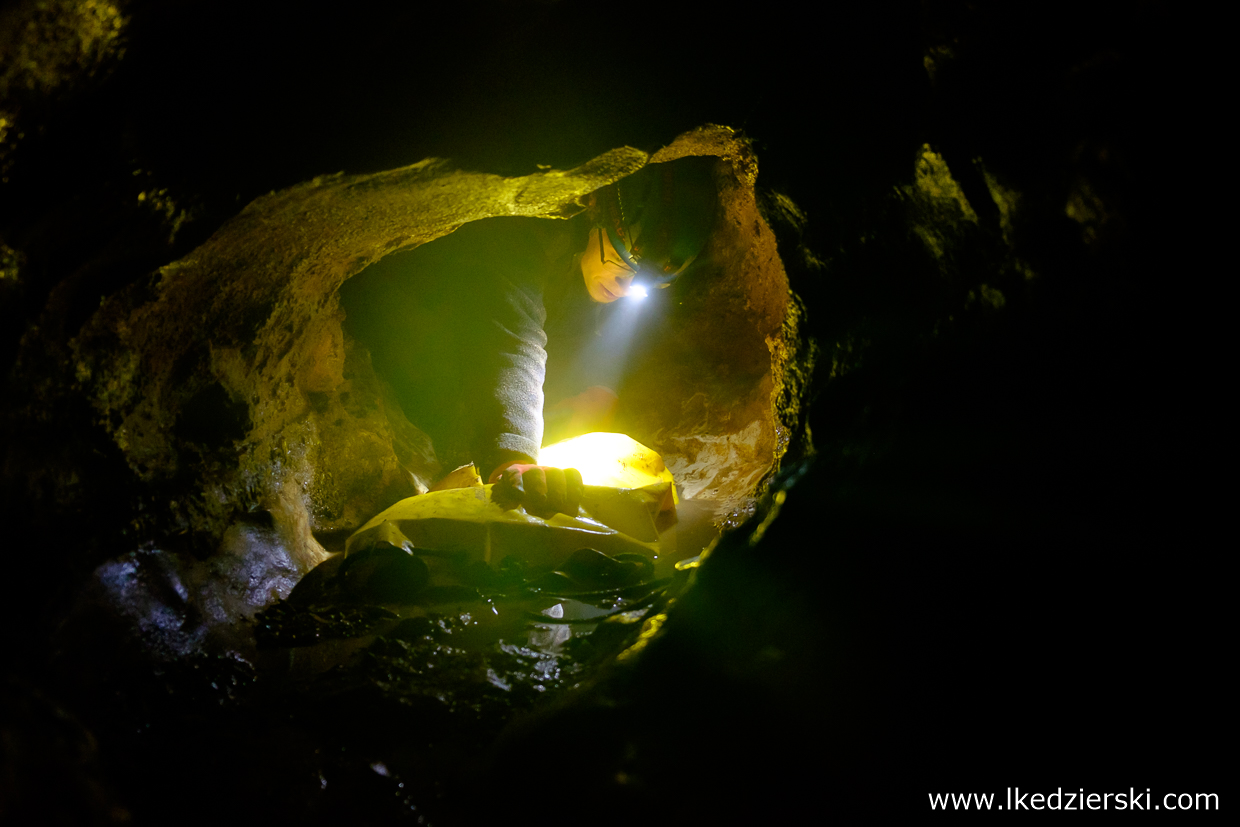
x=542 y=489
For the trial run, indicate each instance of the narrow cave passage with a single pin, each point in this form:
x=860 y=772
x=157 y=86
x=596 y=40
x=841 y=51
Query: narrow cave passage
x=300 y=319
x=686 y=369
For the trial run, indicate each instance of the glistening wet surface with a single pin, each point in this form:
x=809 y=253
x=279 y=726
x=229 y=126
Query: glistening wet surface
x=374 y=710
x=544 y=616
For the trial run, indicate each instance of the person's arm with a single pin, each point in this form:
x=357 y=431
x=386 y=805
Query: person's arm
x=515 y=342
x=509 y=351
x=511 y=361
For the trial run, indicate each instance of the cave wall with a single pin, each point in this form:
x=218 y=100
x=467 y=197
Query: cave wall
x=252 y=425
x=241 y=344
x=707 y=391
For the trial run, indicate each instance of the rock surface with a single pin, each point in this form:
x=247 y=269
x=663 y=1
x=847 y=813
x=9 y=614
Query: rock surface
x=226 y=381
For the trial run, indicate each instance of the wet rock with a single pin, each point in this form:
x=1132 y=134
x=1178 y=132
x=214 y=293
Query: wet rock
x=594 y=569
x=381 y=573
x=414 y=629
x=319 y=584
x=230 y=390
x=287 y=625
x=449 y=593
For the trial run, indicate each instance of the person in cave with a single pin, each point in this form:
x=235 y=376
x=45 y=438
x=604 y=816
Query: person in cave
x=469 y=327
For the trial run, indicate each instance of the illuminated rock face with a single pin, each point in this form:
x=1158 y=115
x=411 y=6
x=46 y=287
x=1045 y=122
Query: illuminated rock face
x=227 y=383
x=707 y=394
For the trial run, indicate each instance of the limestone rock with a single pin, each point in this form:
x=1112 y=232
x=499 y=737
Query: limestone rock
x=228 y=385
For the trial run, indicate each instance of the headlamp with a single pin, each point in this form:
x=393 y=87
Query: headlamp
x=658 y=220
x=648 y=274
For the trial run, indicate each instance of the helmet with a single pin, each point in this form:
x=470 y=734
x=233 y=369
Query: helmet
x=660 y=218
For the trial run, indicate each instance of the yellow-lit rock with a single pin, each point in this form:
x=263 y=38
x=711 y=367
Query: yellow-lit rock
x=229 y=372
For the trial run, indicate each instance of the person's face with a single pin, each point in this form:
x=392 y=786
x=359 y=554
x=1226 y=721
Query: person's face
x=607 y=277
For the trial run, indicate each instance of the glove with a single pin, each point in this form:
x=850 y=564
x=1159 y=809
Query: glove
x=543 y=490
